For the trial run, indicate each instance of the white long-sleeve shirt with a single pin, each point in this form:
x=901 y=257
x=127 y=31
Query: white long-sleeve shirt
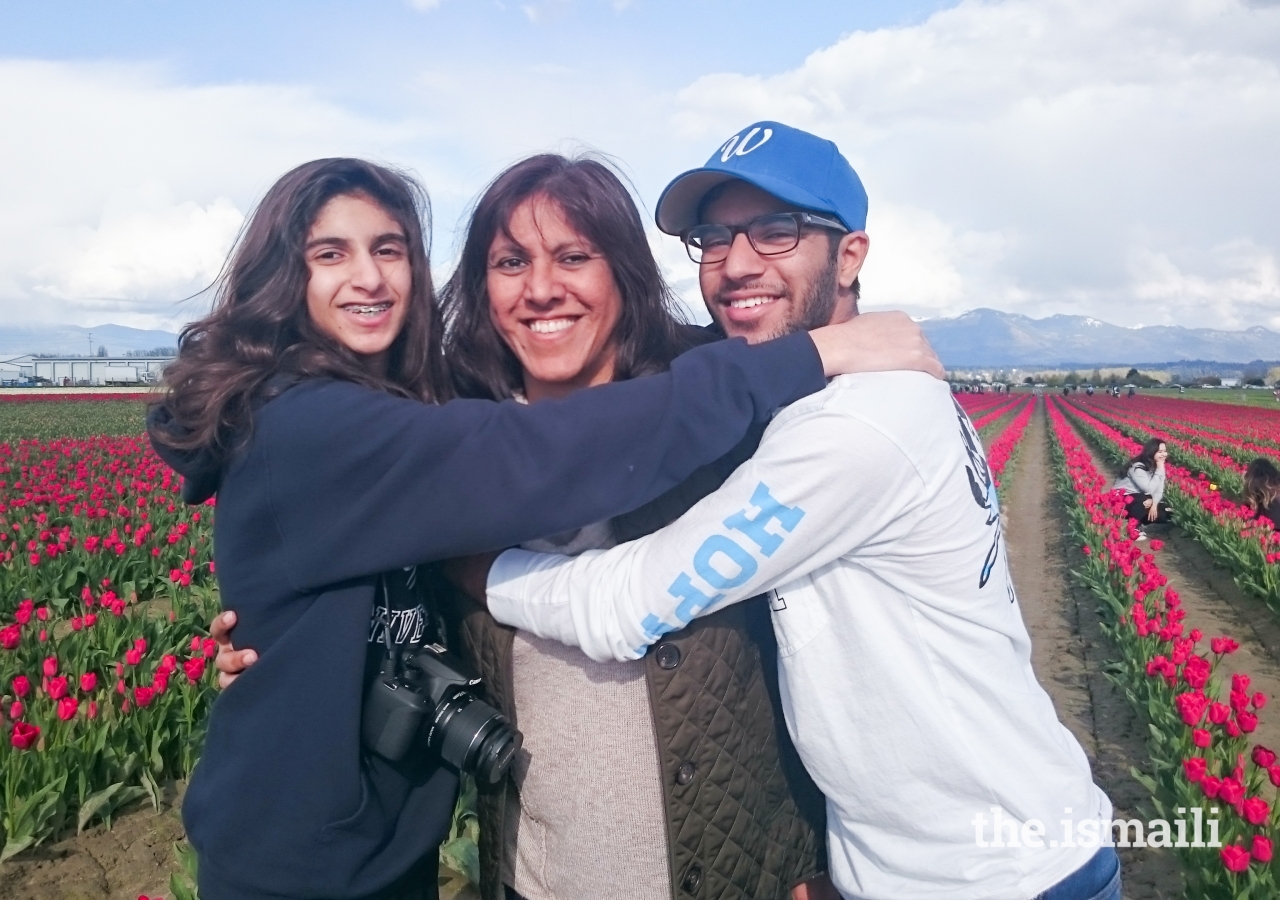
x=905 y=666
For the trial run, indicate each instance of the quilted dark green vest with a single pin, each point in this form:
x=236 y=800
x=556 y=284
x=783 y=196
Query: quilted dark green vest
x=744 y=820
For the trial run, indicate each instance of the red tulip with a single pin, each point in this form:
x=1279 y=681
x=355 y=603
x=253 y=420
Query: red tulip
x=1235 y=858
x=88 y=682
x=57 y=688
x=1256 y=810
x=21 y=685
x=67 y=708
x=1231 y=791
x=24 y=736
x=143 y=696
x=1195 y=768
x=50 y=666
x=1261 y=850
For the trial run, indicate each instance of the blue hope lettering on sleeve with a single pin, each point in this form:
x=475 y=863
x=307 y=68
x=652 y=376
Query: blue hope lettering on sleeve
x=709 y=560
x=770 y=510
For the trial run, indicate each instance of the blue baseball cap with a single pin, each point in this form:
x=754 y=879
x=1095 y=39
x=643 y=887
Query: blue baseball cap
x=797 y=167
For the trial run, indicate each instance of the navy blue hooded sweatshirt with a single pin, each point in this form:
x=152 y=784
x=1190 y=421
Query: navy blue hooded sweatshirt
x=339 y=482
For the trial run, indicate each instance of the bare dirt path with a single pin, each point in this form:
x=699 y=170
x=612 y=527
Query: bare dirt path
x=1217 y=606
x=1069 y=651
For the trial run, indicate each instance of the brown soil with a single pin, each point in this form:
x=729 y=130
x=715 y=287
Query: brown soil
x=1069 y=651
x=133 y=858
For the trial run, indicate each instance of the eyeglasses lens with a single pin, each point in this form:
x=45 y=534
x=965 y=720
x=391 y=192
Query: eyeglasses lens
x=768 y=235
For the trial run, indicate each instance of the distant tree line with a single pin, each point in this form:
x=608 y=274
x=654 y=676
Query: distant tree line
x=102 y=352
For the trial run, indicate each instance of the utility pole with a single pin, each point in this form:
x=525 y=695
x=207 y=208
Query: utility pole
x=91 y=343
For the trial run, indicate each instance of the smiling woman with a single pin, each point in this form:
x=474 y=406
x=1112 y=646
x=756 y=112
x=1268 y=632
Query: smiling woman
x=557 y=288
x=553 y=298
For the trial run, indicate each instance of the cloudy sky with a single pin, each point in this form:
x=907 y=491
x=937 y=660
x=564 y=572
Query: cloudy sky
x=1113 y=158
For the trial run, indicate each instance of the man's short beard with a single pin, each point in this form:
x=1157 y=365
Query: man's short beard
x=819 y=304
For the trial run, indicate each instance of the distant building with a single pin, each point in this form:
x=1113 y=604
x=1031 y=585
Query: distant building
x=82 y=371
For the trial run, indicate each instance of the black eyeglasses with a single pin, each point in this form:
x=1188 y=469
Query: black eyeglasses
x=769 y=235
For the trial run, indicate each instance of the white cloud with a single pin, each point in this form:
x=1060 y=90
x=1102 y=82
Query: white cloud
x=1084 y=135
x=1243 y=289
x=1112 y=158
x=122 y=190
x=136 y=256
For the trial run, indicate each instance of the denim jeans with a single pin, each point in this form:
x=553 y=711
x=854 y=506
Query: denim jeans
x=1098 y=879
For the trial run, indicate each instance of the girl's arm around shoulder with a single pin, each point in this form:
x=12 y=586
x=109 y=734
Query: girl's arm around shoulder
x=361 y=481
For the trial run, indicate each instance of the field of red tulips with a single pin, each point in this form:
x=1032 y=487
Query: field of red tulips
x=1203 y=762
x=1205 y=481
x=106 y=588
x=105 y=591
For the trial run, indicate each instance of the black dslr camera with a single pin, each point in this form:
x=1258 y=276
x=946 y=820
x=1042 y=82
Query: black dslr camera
x=430 y=688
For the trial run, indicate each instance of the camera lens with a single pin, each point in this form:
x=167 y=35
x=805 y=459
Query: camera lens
x=475 y=737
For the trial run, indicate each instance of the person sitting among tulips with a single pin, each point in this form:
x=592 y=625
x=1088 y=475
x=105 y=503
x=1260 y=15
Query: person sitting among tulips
x=1143 y=484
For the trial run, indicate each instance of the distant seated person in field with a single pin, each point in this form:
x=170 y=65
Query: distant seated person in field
x=1143 y=483
x=1262 y=489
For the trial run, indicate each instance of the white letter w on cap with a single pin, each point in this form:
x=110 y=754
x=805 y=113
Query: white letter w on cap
x=734 y=147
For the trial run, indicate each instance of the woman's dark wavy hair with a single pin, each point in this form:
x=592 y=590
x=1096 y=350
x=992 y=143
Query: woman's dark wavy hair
x=259 y=326
x=650 y=332
x=1147 y=455
x=1261 y=484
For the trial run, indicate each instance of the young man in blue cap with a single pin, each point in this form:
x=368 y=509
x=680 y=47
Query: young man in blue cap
x=871 y=516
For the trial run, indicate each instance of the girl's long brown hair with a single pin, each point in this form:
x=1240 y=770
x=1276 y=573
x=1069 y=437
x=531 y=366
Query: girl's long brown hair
x=259 y=326
x=1261 y=484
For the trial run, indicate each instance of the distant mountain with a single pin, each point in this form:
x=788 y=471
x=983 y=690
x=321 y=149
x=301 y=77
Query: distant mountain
x=118 y=339
x=989 y=338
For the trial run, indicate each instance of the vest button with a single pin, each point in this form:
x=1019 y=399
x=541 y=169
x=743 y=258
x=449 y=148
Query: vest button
x=685 y=773
x=668 y=656
x=692 y=879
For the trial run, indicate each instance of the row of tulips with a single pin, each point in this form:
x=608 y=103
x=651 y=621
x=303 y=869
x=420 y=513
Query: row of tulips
x=1247 y=545
x=1234 y=422
x=1187 y=447
x=986 y=409
x=976 y=405
x=1202 y=762
x=1001 y=450
x=105 y=591
x=1234 y=431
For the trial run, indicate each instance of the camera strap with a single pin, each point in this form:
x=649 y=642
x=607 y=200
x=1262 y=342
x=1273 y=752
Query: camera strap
x=392 y=652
